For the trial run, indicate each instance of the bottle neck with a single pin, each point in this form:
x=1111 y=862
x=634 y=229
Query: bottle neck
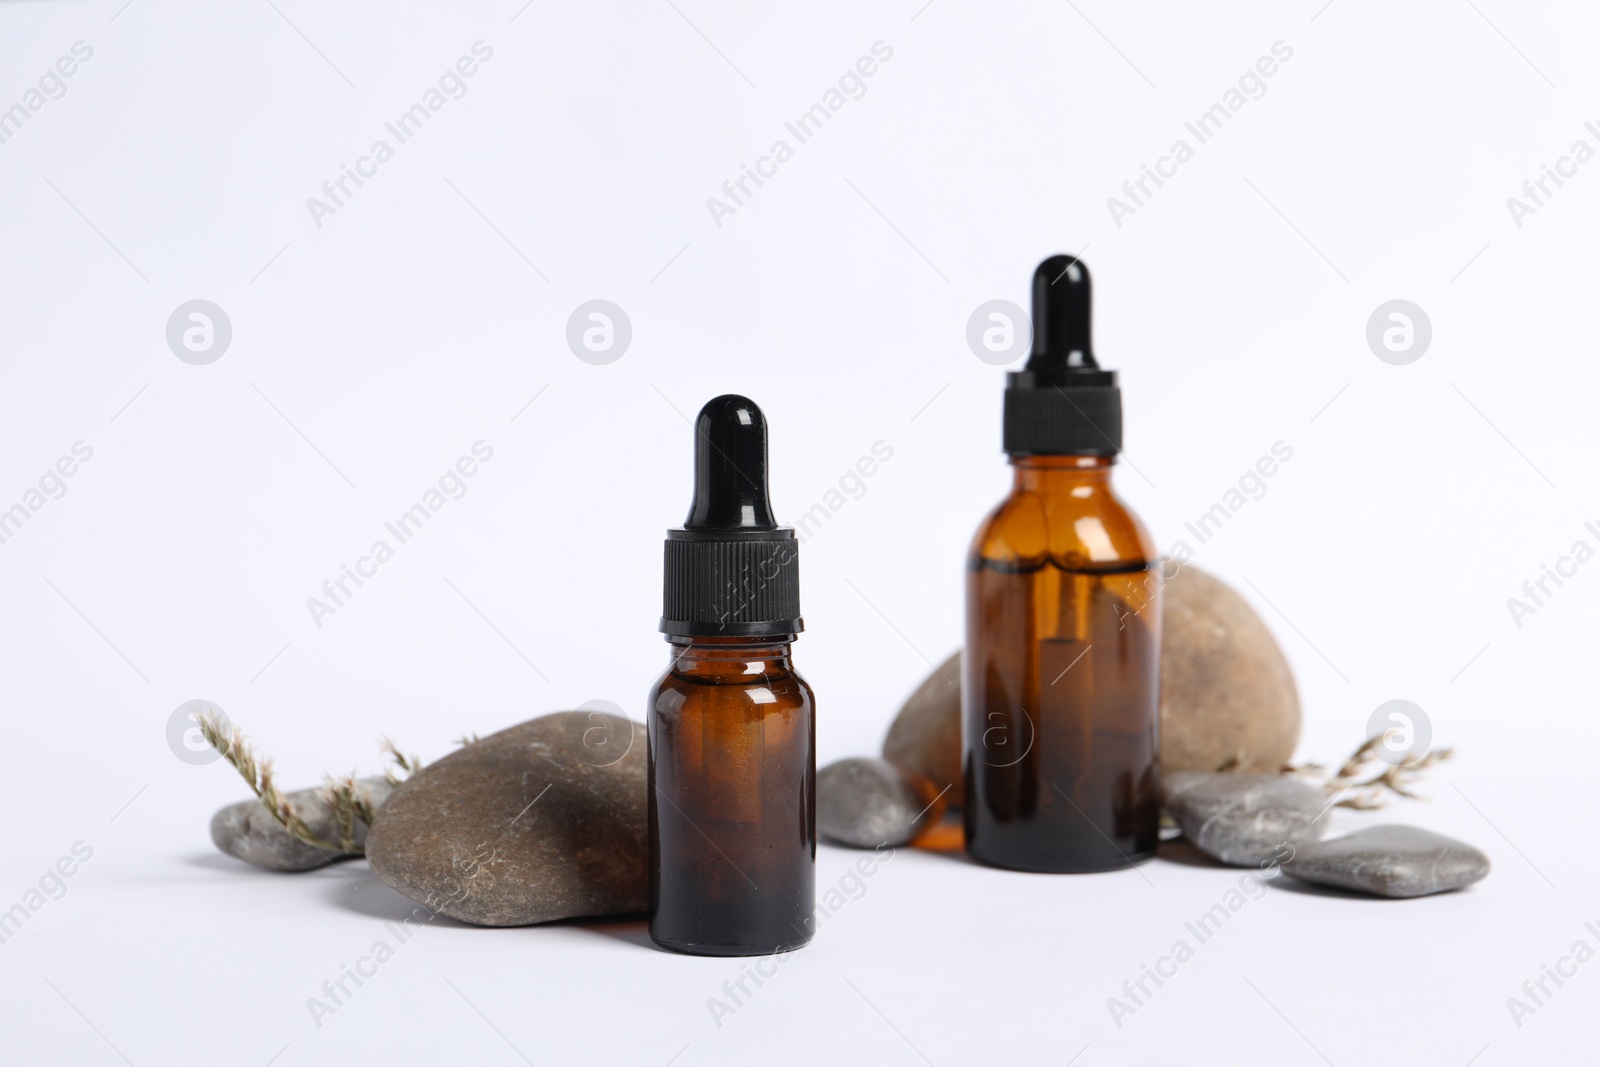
x=730 y=658
x=1052 y=474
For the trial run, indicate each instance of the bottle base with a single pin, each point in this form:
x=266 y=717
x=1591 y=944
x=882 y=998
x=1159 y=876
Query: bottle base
x=1051 y=865
x=689 y=948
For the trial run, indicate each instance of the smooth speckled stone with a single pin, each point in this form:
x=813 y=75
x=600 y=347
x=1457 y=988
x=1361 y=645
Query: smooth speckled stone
x=1245 y=819
x=546 y=820
x=247 y=830
x=870 y=802
x=1227 y=694
x=1390 y=861
x=925 y=737
x=1228 y=698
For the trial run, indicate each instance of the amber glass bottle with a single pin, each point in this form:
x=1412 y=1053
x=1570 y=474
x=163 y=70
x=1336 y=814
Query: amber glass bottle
x=732 y=792
x=1060 y=684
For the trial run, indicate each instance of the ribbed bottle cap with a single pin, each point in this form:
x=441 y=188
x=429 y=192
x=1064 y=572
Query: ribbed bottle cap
x=731 y=570
x=1061 y=403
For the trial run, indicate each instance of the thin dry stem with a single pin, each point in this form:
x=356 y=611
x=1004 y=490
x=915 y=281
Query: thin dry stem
x=257 y=774
x=1360 y=785
x=340 y=796
x=409 y=764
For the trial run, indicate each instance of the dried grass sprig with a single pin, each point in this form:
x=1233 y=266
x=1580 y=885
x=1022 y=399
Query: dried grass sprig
x=257 y=774
x=409 y=764
x=1365 y=787
x=347 y=799
x=343 y=797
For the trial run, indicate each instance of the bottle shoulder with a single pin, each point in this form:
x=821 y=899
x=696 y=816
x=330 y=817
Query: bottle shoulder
x=1079 y=527
x=755 y=691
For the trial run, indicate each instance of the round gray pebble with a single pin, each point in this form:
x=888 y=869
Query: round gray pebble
x=870 y=802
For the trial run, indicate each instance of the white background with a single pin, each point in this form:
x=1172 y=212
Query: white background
x=369 y=353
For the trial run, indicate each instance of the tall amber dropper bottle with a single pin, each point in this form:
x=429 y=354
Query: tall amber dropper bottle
x=1061 y=679
x=733 y=837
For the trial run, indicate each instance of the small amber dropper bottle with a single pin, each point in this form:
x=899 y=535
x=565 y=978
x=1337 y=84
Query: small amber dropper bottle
x=1060 y=685
x=733 y=839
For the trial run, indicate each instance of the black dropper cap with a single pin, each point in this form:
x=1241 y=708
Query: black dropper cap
x=1061 y=403
x=731 y=570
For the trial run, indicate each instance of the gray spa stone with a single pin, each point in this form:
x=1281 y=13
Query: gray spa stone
x=1245 y=819
x=1390 y=861
x=247 y=830
x=871 y=802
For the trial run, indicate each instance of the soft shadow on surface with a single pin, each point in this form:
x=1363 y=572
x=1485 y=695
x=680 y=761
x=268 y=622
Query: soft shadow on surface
x=957 y=855
x=632 y=929
x=1295 y=885
x=361 y=891
x=217 y=861
x=1182 y=850
x=367 y=894
x=351 y=885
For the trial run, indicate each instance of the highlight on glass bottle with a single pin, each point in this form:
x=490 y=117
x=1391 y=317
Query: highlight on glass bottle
x=1060 y=685
x=732 y=732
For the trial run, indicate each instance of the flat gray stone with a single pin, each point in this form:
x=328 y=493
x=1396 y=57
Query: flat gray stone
x=546 y=820
x=1245 y=820
x=1390 y=861
x=248 y=831
x=870 y=802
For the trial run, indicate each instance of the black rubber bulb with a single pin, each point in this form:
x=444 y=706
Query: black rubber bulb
x=1061 y=297
x=730 y=467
